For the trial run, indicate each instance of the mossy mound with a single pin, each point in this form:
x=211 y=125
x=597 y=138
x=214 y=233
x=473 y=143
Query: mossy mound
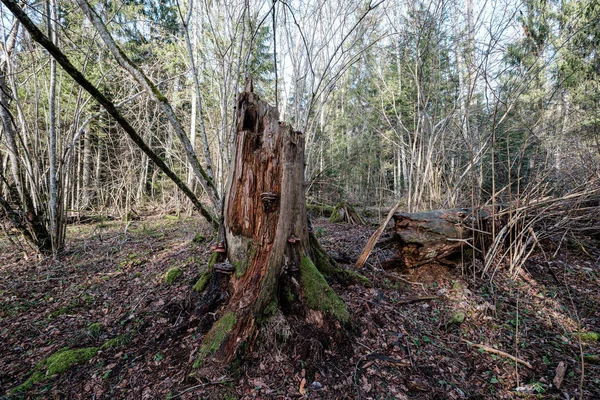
x=199 y=238
x=57 y=363
x=115 y=342
x=173 y=274
x=95 y=329
x=319 y=295
x=589 y=336
x=66 y=358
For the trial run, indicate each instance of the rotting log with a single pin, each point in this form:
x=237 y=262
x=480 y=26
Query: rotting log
x=269 y=262
x=436 y=236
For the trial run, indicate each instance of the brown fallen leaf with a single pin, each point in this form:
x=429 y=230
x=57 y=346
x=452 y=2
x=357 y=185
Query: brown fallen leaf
x=302 y=389
x=560 y=374
x=416 y=385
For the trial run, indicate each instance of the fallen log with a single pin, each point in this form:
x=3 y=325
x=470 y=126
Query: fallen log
x=436 y=236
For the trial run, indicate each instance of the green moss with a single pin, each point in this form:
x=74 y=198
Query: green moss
x=212 y=261
x=57 y=363
x=319 y=295
x=116 y=342
x=590 y=336
x=63 y=360
x=318 y=209
x=336 y=215
x=270 y=310
x=33 y=379
x=242 y=267
x=172 y=275
x=202 y=282
x=95 y=329
x=215 y=337
x=289 y=295
x=457 y=318
x=199 y=238
x=356 y=277
x=592 y=359
x=64 y=310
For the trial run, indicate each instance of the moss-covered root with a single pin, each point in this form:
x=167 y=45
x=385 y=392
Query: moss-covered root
x=204 y=279
x=215 y=338
x=200 y=285
x=328 y=267
x=57 y=363
x=319 y=295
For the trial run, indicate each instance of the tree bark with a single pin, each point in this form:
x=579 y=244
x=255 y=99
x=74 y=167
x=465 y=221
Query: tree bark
x=55 y=213
x=272 y=261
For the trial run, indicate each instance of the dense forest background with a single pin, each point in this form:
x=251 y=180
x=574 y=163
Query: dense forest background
x=122 y=122
x=434 y=103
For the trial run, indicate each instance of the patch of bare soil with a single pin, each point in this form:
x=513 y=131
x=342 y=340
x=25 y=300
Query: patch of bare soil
x=405 y=341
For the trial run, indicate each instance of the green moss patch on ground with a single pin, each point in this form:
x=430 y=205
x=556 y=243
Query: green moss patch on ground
x=95 y=329
x=57 y=363
x=172 y=275
x=589 y=336
x=116 y=342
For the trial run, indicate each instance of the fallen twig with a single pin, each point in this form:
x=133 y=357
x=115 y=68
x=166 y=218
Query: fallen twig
x=218 y=382
x=499 y=352
x=414 y=299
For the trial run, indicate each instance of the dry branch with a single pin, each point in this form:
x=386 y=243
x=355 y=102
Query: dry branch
x=374 y=238
x=499 y=352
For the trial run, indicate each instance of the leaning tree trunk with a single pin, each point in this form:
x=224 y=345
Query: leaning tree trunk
x=272 y=261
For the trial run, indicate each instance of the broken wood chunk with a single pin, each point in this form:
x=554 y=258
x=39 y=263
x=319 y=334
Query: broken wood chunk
x=439 y=236
x=560 y=374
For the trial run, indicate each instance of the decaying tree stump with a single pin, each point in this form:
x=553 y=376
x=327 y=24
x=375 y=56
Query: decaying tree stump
x=344 y=212
x=269 y=263
x=436 y=236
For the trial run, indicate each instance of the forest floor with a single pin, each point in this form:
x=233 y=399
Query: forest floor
x=108 y=293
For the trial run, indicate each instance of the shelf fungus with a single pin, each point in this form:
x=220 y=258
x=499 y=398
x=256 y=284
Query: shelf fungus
x=293 y=239
x=225 y=268
x=269 y=200
x=218 y=248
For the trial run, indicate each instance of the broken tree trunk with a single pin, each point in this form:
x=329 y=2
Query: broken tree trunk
x=436 y=236
x=344 y=212
x=270 y=262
